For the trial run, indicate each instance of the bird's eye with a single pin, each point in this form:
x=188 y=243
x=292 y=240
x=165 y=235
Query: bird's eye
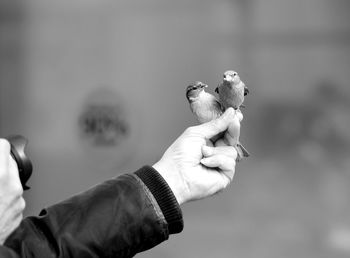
x=234 y=74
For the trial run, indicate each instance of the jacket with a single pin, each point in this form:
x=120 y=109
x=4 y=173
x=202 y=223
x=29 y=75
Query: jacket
x=117 y=218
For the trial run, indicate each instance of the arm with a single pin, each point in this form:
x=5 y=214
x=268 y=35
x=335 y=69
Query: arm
x=117 y=218
x=133 y=212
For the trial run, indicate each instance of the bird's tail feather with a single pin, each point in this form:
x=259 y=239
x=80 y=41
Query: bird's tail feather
x=244 y=151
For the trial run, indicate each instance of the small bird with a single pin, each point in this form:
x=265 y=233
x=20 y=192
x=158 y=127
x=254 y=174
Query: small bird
x=232 y=90
x=206 y=107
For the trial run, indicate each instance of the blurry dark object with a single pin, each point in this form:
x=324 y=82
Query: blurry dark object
x=25 y=167
x=104 y=121
x=104 y=124
x=321 y=119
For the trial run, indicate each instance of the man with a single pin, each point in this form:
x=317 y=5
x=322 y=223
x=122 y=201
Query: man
x=130 y=213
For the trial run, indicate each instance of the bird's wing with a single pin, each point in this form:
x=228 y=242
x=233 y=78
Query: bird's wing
x=246 y=90
x=219 y=106
x=217 y=89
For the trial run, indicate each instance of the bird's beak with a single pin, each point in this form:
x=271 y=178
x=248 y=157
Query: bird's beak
x=204 y=86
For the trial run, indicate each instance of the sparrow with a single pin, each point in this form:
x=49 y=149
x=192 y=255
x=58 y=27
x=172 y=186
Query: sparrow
x=232 y=90
x=206 y=107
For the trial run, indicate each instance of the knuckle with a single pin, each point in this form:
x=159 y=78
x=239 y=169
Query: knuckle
x=190 y=130
x=233 y=152
x=231 y=165
x=3 y=142
x=17 y=189
x=4 y=146
x=21 y=204
x=227 y=150
x=226 y=182
x=234 y=164
x=4 y=153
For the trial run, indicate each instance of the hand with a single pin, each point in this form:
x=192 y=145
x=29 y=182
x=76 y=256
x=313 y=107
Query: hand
x=193 y=166
x=12 y=203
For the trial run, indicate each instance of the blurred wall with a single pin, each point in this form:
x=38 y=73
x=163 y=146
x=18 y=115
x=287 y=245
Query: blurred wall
x=98 y=89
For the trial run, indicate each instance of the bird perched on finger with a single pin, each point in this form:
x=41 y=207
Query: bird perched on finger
x=206 y=107
x=232 y=90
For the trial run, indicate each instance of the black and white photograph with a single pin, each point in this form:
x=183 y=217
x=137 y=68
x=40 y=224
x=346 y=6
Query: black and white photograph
x=166 y=129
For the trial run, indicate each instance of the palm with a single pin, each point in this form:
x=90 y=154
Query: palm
x=193 y=167
x=201 y=180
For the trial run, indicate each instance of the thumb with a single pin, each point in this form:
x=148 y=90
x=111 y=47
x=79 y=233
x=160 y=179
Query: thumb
x=216 y=126
x=233 y=132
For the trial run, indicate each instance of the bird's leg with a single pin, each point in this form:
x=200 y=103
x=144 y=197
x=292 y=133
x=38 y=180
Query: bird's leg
x=241 y=151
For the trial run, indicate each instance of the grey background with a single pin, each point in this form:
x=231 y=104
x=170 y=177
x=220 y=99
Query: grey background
x=289 y=199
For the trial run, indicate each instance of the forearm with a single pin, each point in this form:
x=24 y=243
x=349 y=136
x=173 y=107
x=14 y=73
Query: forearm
x=117 y=218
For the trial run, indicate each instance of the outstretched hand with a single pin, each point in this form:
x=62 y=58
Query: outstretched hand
x=194 y=166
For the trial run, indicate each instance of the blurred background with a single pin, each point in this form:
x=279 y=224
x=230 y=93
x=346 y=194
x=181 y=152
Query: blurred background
x=98 y=88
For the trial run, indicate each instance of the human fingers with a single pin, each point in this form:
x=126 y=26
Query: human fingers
x=219 y=150
x=233 y=132
x=4 y=156
x=20 y=205
x=224 y=164
x=9 y=175
x=10 y=220
x=216 y=126
x=239 y=115
x=221 y=142
x=220 y=161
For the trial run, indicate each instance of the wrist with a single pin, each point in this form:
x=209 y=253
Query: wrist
x=164 y=197
x=172 y=179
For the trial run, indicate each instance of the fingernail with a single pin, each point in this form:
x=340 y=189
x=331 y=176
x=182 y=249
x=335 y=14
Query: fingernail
x=205 y=161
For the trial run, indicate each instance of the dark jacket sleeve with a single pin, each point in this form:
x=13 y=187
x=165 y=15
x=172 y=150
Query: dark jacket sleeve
x=118 y=218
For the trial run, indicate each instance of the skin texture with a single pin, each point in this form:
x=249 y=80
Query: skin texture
x=195 y=167
x=12 y=203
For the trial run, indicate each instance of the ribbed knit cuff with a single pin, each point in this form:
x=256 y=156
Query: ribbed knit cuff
x=164 y=197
